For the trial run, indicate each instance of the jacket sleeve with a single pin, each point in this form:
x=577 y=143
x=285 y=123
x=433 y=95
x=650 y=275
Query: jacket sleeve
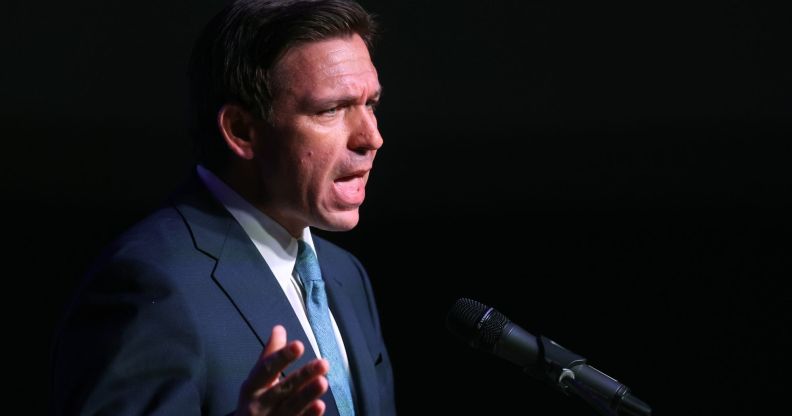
x=128 y=346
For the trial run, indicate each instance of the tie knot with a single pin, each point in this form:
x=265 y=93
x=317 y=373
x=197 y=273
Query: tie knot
x=307 y=264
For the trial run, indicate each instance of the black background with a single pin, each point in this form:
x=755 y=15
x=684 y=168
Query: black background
x=615 y=176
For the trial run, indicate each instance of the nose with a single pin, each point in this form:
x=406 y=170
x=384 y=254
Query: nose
x=365 y=135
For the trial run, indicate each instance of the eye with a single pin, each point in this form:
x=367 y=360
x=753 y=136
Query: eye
x=372 y=105
x=329 y=112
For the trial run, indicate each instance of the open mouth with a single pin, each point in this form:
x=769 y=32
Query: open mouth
x=351 y=189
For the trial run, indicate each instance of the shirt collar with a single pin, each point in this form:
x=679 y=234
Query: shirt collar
x=277 y=246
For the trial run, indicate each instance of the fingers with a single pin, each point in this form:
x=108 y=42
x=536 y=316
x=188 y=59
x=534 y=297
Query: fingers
x=302 y=376
x=277 y=340
x=316 y=408
x=277 y=355
x=299 y=393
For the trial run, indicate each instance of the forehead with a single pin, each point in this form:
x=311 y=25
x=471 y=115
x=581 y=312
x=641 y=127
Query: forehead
x=337 y=63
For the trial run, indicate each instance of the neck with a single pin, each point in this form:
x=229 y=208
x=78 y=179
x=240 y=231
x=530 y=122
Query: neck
x=242 y=178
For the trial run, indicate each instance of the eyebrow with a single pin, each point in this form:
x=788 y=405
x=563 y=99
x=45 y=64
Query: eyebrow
x=347 y=99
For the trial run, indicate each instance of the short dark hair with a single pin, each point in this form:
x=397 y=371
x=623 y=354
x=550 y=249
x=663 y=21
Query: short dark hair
x=235 y=54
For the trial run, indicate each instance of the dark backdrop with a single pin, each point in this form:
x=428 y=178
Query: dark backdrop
x=615 y=176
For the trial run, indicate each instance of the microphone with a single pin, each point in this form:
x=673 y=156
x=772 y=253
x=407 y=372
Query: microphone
x=485 y=328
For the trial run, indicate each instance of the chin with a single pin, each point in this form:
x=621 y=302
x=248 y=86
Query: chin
x=339 y=221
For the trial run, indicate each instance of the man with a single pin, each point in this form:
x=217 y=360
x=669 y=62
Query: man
x=189 y=311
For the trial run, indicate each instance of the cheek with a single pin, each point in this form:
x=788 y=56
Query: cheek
x=310 y=176
x=316 y=164
x=314 y=155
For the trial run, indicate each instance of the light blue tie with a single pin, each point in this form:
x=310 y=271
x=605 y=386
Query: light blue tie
x=307 y=267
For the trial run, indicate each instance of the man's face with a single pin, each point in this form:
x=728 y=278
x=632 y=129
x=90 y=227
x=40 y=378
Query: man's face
x=315 y=156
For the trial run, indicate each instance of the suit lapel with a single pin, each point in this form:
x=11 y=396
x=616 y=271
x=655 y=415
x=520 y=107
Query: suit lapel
x=240 y=272
x=250 y=284
x=361 y=363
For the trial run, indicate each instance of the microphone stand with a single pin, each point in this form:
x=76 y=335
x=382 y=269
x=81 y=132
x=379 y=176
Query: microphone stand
x=559 y=366
x=569 y=384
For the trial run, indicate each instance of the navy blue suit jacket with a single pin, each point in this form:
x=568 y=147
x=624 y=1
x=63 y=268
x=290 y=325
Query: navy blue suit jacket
x=176 y=312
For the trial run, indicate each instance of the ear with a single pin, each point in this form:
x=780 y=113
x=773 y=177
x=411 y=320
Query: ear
x=238 y=128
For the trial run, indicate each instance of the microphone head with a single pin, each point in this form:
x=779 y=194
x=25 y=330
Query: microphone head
x=475 y=323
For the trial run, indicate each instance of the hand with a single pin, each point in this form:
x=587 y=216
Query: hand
x=262 y=393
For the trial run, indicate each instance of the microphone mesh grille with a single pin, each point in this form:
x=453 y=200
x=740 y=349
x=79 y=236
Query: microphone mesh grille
x=492 y=329
x=476 y=323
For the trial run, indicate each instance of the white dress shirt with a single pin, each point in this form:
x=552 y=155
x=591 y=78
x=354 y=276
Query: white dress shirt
x=277 y=247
